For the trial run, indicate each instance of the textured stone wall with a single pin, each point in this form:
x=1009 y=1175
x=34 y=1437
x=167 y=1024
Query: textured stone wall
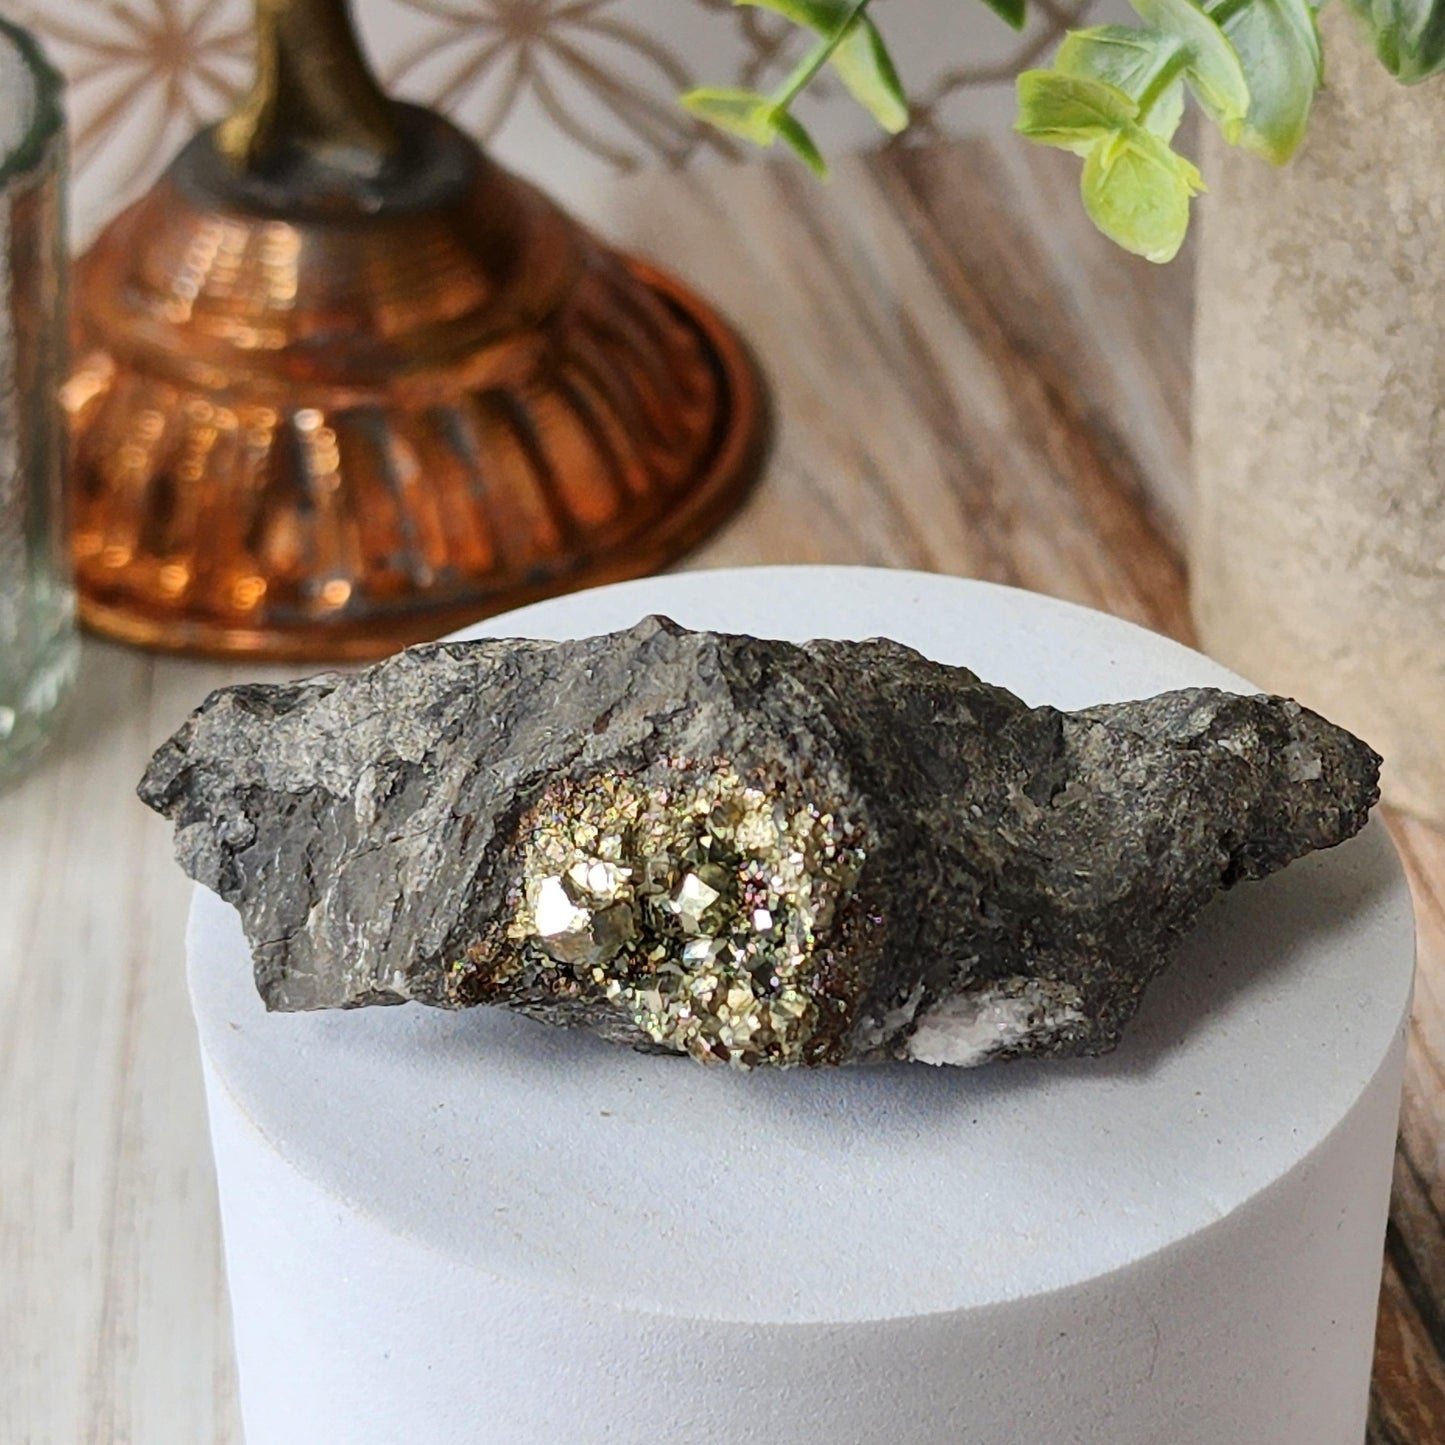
x=1318 y=540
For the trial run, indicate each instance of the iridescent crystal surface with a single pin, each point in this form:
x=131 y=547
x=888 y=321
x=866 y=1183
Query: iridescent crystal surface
x=693 y=905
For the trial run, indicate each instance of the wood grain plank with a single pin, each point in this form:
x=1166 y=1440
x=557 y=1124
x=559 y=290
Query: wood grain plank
x=111 y=1284
x=991 y=271
x=1410 y=1349
x=1408 y=1398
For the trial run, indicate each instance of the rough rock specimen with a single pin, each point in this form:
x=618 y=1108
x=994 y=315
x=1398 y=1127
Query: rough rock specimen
x=748 y=851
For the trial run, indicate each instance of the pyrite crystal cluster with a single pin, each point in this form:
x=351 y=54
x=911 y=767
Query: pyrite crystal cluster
x=747 y=851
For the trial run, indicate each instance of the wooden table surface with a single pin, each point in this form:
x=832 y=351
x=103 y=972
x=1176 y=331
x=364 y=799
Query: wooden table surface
x=967 y=380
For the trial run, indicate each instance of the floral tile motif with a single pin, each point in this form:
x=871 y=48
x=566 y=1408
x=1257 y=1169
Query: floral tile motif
x=569 y=91
x=142 y=76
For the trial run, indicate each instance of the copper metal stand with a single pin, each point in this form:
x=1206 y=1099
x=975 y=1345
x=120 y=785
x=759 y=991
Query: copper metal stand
x=342 y=383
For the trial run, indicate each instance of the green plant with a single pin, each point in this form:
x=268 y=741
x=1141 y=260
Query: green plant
x=1114 y=95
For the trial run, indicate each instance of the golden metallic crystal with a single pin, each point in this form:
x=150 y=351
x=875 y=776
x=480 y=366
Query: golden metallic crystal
x=694 y=906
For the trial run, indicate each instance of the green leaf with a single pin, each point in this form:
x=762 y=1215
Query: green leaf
x=826 y=17
x=1278 y=44
x=1137 y=192
x=860 y=56
x=1141 y=63
x=1124 y=56
x=1072 y=112
x=866 y=69
x=1422 y=41
x=1213 y=71
x=1166 y=112
x=757 y=118
x=1011 y=12
x=1409 y=35
x=742 y=112
x=1135 y=189
x=792 y=131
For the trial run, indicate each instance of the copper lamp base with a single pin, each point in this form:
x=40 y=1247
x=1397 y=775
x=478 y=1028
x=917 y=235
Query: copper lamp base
x=318 y=428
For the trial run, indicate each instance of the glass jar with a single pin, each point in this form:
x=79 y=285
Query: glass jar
x=37 y=612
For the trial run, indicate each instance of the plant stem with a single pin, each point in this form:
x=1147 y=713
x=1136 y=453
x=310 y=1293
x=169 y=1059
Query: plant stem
x=817 y=58
x=1162 y=79
x=1225 y=10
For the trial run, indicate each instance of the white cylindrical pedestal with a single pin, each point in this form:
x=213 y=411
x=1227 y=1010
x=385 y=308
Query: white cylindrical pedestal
x=449 y=1228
